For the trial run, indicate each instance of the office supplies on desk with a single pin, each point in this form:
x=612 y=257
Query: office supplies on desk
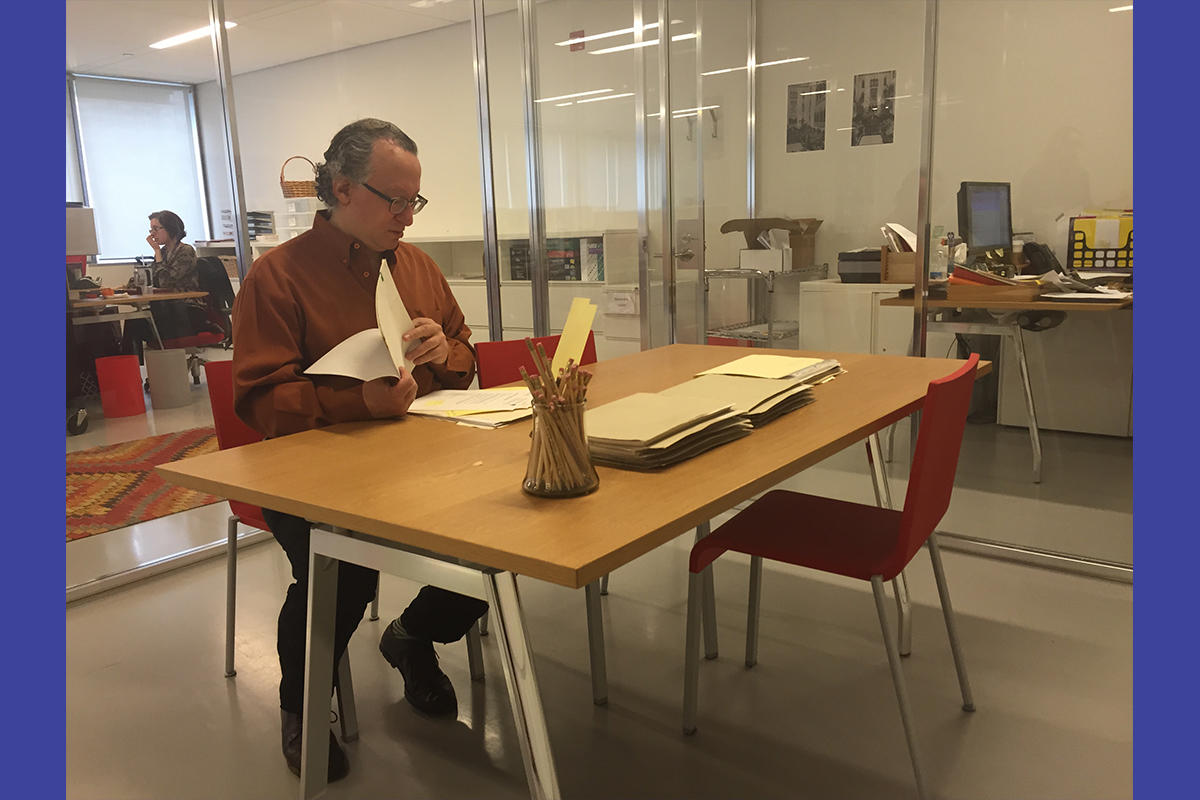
x=559 y=463
x=575 y=333
x=376 y=352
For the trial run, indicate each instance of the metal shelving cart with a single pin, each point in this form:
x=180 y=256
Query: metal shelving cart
x=765 y=325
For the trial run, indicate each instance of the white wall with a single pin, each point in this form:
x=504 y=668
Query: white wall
x=1034 y=92
x=1038 y=93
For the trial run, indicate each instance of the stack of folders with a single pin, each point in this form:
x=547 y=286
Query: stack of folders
x=759 y=400
x=647 y=431
x=809 y=370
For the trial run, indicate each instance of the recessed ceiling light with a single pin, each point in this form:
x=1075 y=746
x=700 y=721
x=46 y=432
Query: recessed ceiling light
x=610 y=34
x=763 y=64
x=1121 y=8
x=607 y=97
x=618 y=48
x=568 y=96
x=190 y=36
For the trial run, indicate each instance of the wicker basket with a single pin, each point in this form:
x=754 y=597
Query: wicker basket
x=298 y=188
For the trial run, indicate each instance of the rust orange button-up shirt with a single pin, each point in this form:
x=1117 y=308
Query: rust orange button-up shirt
x=303 y=298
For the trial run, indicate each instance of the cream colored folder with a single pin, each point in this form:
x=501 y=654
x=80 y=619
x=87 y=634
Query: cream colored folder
x=644 y=418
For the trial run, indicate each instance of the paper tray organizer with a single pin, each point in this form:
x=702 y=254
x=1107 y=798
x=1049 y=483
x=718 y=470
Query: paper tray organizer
x=1082 y=254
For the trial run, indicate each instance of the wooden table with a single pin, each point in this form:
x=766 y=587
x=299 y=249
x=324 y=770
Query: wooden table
x=978 y=320
x=453 y=510
x=141 y=302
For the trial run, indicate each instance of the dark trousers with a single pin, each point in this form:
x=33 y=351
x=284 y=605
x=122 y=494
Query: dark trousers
x=434 y=614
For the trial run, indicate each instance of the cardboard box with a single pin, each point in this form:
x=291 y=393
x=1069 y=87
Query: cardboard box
x=897 y=267
x=802 y=236
x=766 y=260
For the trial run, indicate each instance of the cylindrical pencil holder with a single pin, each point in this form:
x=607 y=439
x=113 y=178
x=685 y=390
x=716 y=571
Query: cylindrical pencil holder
x=559 y=464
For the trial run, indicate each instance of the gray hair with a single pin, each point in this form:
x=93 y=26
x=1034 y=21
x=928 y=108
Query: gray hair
x=350 y=151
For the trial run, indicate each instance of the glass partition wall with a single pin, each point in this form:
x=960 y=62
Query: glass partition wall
x=625 y=135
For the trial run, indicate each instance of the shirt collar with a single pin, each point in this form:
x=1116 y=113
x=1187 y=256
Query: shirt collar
x=342 y=248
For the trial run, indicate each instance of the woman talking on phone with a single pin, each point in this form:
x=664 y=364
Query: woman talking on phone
x=174 y=269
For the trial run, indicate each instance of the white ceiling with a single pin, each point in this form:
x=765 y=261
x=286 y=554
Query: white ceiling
x=112 y=37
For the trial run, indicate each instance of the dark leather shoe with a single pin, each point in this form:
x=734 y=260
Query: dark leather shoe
x=426 y=687
x=339 y=765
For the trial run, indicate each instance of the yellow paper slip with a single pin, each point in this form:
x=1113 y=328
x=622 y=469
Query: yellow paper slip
x=575 y=333
x=763 y=366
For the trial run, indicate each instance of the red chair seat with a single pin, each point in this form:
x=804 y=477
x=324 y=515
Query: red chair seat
x=835 y=536
x=201 y=339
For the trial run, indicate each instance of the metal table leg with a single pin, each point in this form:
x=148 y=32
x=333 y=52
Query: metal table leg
x=318 y=674
x=498 y=588
x=883 y=499
x=710 y=603
x=595 y=624
x=523 y=691
x=1034 y=437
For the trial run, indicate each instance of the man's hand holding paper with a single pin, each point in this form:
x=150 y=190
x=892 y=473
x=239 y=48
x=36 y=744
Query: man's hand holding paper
x=426 y=343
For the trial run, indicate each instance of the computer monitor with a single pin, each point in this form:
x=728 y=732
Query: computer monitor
x=985 y=217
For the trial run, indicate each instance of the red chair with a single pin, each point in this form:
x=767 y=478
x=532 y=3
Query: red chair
x=500 y=362
x=858 y=541
x=232 y=432
x=192 y=344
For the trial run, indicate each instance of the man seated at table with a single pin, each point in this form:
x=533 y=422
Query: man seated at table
x=299 y=301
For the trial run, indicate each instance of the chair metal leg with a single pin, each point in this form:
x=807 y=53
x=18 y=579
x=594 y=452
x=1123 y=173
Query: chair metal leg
x=595 y=625
x=710 y=603
x=475 y=654
x=898 y=681
x=752 y=611
x=230 y=594
x=1035 y=438
x=964 y=685
x=483 y=622
x=375 y=605
x=347 y=713
x=691 y=653
x=883 y=499
x=604 y=586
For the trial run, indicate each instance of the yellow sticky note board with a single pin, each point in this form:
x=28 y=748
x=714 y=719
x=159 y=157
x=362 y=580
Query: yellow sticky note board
x=575 y=333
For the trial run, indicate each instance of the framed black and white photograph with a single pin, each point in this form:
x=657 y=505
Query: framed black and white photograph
x=806 y=116
x=874 y=119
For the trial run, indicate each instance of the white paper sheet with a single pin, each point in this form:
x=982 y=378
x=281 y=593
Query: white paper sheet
x=378 y=352
x=364 y=356
x=392 y=317
x=471 y=401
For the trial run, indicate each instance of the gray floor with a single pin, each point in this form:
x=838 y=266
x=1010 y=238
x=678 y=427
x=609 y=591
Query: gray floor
x=150 y=714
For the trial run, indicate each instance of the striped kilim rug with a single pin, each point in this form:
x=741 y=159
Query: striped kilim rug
x=115 y=486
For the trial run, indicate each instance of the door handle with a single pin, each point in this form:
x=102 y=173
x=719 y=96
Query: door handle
x=684 y=255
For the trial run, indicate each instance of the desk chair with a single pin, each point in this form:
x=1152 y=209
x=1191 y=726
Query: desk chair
x=858 y=541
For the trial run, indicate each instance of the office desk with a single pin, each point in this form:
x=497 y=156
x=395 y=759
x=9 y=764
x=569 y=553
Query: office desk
x=452 y=509
x=977 y=319
x=140 y=302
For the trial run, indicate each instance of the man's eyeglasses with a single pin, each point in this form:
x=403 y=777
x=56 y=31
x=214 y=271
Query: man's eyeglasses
x=396 y=205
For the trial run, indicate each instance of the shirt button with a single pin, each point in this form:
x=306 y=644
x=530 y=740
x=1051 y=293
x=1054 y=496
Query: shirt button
x=356 y=245
x=366 y=274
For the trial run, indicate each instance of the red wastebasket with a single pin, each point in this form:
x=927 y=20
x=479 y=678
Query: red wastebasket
x=120 y=381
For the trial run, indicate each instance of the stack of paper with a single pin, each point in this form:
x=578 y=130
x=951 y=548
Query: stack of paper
x=482 y=407
x=811 y=370
x=647 y=431
x=759 y=400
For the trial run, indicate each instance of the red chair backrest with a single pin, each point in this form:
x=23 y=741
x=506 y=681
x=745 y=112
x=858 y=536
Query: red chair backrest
x=231 y=431
x=500 y=362
x=931 y=480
